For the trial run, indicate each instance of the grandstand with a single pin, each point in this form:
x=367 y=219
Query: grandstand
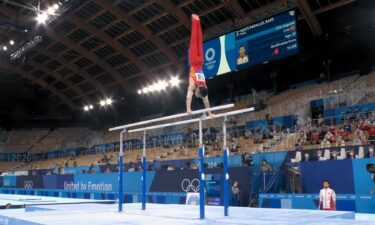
x=37 y=141
x=133 y=112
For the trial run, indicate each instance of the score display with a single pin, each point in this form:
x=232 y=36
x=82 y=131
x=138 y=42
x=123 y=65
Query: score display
x=270 y=39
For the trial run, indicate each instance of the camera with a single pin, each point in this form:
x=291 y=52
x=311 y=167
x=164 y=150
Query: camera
x=247 y=159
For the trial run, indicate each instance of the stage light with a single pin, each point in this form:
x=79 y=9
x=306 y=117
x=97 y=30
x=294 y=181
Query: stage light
x=139 y=92
x=26 y=30
x=164 y=85
x=161 y=85
x=152 y=88
x=102 y=103
x=5 y=48
x=108 y=101
x=86 y=108
x=25 y=47
x=145 y=90
x=11 y=42
x=42 y=17
x=174 y=82
x=91 y=107
x=56 y=6
x=51 y=11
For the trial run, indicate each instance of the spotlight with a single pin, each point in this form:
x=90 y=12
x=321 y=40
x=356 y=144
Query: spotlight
x=42 y=17
x=139 y=92
x=153 y=88
x=56 y=6
x=86 y=108
x=5 y=48
x=174 y=82
x=11 y=42
x=51 y=11
x=108 y=101
x=102 y=103
x=26 y=30
x=161 y=85
x=145 y=90
x=91 y=106
x=157 y=86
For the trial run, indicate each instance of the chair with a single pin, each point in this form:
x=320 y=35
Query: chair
x=342 y=154
x=361 y=153
x=297 y=158
x=327 y=155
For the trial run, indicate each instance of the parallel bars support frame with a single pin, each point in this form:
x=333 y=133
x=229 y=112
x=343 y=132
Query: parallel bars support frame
x=121 y=172
x=201 y=151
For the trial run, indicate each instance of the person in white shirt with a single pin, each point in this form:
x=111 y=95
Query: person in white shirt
x=242 y=58
x=327 y=197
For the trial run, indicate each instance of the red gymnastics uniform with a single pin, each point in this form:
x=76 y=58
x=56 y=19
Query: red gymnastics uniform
x=196 y=53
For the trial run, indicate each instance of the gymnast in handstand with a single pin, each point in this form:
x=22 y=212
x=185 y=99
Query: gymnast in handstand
x=197 y=81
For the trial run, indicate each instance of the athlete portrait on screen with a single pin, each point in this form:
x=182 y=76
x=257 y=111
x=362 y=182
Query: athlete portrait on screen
x=242 y=58
x=327 y=197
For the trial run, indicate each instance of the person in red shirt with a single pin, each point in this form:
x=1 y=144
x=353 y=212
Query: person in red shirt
x=197 y=81
x=364 y=126
x=315 y=138
x=371 y=135
x=344 y=134
x=332 y=130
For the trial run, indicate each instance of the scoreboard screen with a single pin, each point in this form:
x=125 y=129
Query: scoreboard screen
x=219 y=55
x=270 y=39
x=267 y=40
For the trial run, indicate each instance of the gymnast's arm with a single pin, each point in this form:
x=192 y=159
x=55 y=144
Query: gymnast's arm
x=206 y=103
x=189 y=95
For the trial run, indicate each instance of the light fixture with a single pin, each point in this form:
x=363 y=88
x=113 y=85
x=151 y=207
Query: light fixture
x=25 y=47
x=11 y=42
x=42 y=17
x=152 y=88
x=91 y=107
x=56 y=6
x=26 y=30
x=86 y=108
x=162 y=85
x=5 y=48
x=51 y=11
x=108 y=101
x=102 y=103
x=174 y=81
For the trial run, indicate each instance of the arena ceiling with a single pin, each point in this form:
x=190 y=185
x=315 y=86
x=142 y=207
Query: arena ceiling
x=101 y=48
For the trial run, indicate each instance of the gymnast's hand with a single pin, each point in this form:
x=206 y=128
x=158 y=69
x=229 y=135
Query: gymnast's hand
x=189 y=111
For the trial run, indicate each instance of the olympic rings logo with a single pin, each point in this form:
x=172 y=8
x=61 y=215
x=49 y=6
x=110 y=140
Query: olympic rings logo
x=210 y=54
x=190 y=185
x=28 y=184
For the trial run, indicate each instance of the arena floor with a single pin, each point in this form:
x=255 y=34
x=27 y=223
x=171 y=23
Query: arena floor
x=96 y=213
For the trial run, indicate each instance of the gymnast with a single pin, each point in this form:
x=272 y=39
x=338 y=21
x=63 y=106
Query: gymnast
x=197 y=81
